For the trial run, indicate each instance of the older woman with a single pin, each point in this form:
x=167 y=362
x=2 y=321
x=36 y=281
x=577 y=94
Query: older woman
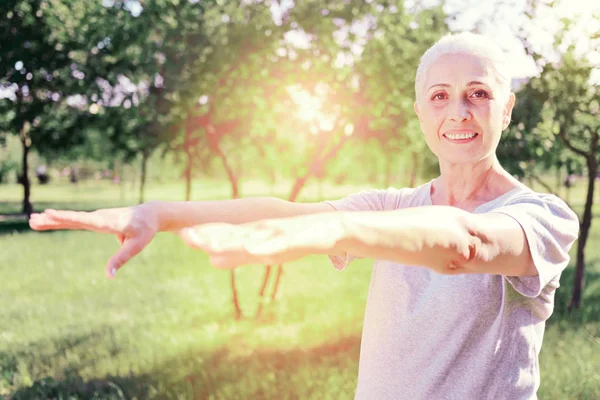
x=467 y=264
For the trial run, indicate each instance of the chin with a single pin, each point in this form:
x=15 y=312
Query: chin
x=462 y=158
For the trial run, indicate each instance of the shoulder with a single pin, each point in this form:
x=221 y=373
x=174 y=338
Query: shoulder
x=541 y=209
x=527 y=197
x=388 y=199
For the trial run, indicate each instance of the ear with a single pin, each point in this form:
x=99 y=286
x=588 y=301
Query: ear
x=508 y=111
x=416 y=107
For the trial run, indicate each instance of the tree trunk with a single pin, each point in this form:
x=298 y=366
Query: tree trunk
x=145 y=157
x=585 y=225
x=277 y=280
x=298 y=185
x=27 y=208
x=231 y=175
x=317 y=165
x=214 y=143
x=235 y=299
x=263 y=290
x=235 y=193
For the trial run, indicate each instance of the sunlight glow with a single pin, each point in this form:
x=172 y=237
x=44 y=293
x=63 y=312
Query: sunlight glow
x=310 y=108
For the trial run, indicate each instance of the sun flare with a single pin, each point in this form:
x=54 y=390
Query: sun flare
x=310 y=108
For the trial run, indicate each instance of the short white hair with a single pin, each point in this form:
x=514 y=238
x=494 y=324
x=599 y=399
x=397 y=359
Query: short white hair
x=471 y=44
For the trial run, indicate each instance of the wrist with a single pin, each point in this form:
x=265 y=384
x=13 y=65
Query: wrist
x=156 y=215
x=346 y=238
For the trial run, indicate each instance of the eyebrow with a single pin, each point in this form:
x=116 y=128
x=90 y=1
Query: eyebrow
x=472 y=83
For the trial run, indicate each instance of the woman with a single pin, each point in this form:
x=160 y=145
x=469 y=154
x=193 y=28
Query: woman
x=467 y=264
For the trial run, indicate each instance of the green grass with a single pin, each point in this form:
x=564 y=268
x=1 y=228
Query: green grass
x=165 y=329
x=168 y=317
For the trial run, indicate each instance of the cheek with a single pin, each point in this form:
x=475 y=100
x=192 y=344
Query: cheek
x=490 y=117
x=431 y=119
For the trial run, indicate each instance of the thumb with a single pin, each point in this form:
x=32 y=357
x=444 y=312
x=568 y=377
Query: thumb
x=130 y=248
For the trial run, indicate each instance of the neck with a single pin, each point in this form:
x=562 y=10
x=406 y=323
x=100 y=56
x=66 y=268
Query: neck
x=463 y=183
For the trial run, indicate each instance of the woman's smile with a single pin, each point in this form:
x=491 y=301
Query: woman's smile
x=460 y=136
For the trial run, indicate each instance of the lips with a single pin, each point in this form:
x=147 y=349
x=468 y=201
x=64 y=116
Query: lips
x=460 y=137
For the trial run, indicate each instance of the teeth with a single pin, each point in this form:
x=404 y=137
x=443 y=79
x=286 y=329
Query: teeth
x=456 y=136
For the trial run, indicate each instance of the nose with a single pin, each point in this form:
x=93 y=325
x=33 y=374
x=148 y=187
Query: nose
x=459 y=111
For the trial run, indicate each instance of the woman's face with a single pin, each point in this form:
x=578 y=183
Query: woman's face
x=462 y=108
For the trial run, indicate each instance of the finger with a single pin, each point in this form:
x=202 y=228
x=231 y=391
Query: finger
x=84 y=220
x=40 y=222
x=44 y=223
x=130 y=248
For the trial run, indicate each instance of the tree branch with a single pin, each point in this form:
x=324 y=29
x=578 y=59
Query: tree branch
x=544 y=184
x=562 y=134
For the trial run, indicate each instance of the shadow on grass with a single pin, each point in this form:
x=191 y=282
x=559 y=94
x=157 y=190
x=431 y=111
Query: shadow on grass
x=40 y=362
x=11 y=223
x=72 y=386
x=196 y=374
x=14 y=208
x=14 y=226
x=234 y=371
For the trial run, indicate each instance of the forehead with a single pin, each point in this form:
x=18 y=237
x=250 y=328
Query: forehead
x=458 y=70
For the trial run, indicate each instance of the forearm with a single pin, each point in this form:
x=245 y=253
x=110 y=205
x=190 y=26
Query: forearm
x=446 y=239
x=435 y=237
x=176 y=215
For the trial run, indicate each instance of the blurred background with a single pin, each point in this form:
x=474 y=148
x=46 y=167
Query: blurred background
x=107 y=103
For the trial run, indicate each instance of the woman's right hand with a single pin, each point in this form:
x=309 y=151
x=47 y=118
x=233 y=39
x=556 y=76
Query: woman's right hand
x=134 y=227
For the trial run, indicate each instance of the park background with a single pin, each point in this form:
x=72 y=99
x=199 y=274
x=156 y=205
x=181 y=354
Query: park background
x=110 y=103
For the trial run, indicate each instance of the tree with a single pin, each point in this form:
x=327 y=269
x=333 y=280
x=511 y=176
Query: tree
x=53 y=51
x=562 y=110
x=221 y=90
x=370 y=96
x=574 y=105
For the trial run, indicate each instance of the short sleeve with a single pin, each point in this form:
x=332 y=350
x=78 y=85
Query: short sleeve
x=366 y=200
x=551 y=228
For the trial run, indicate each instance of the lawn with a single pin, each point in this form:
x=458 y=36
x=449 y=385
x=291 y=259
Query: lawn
x=165 y=329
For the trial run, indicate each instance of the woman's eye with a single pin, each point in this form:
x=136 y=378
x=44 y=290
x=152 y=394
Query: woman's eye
x=439 y=96
x=480 y=94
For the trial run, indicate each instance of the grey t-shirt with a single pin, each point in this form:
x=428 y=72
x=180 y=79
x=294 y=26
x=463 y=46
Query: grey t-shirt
x=432 y=336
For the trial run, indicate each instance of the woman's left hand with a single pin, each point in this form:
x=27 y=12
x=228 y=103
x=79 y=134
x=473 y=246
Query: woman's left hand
x=271 y=241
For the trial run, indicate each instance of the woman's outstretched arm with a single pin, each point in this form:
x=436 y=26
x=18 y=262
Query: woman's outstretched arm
x=136 y=226
x=176 y=215
x=443 y=238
